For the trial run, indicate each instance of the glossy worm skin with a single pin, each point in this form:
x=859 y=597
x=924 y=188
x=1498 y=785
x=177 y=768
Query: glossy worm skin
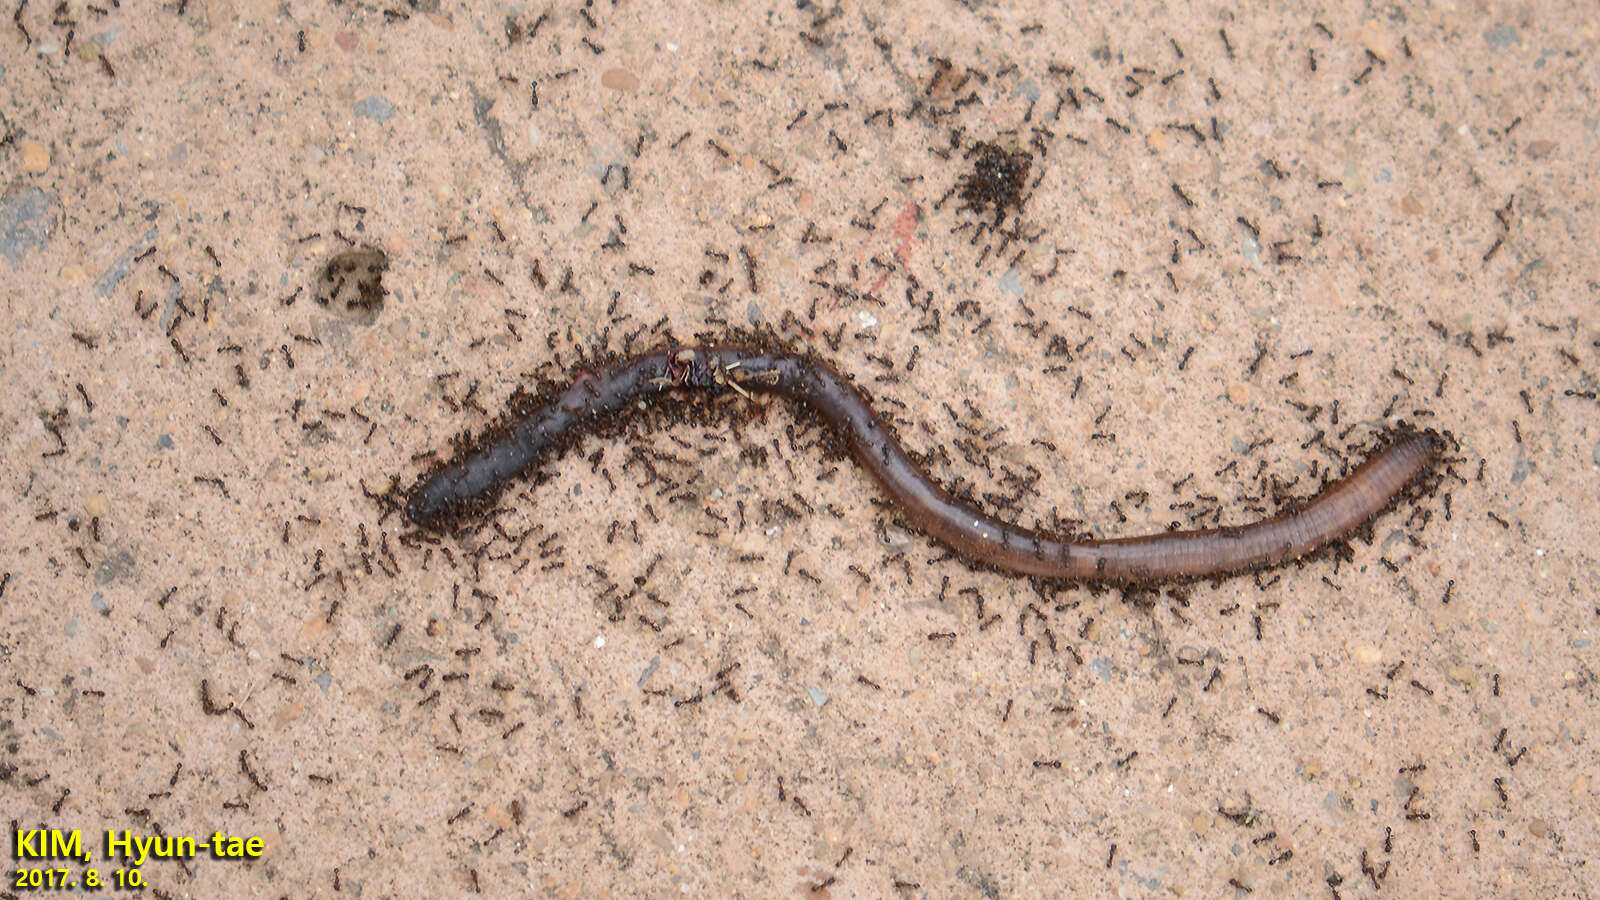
x=476 y=479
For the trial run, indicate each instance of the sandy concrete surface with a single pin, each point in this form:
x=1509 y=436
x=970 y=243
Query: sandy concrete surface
x=705 y=658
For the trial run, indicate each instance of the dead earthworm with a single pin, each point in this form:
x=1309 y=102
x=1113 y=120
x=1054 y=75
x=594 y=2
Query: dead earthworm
x=474 y=480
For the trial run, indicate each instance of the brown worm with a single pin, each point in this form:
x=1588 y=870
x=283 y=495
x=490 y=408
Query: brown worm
x=473 y=481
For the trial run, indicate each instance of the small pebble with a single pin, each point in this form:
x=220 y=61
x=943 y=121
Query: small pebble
x=620 y=79
x=35 y=157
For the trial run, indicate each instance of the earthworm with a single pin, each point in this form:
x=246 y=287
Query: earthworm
x=474 y=480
